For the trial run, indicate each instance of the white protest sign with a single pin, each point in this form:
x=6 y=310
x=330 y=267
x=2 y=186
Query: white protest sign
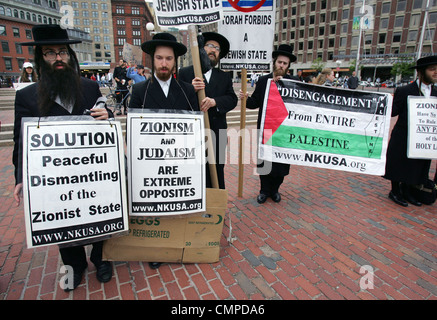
x=325 y=127
x=173 y=13
x=74 y=186
x=249 y=26
x=422 y=128
x=166 y=163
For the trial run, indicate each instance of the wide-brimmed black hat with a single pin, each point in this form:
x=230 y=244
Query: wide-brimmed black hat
x=222 y=41
x=164 y=39
x=424 y=62
x=47 y=34
x=284 y=50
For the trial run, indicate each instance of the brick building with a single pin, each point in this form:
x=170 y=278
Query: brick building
x=130 y=18
x=17 y=17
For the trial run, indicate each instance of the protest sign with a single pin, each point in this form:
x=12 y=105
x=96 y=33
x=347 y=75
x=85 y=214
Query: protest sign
x=166 y=163
x=132 y=54
x=422 y=128
x=174 y=13
x=249 y=28
x=325 y=127
x=74 y=186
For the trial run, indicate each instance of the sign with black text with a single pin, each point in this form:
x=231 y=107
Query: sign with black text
x=422 y=128
x=325 y=127
x=175 y=13
x=249 y=26
x=166 y=163
x=74 y=184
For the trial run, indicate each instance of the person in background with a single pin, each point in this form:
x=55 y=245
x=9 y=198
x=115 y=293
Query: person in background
x=136 y=74
x=352 y=82
x=28 y=74
x=325 y=78
x=122 y=82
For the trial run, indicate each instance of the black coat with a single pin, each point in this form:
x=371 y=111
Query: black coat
x=257 y=101
x=26 y=106
x=181 y=96
x=398 y=167
x=220 y=88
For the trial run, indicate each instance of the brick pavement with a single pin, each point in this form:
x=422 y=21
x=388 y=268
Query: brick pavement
x=309 y=246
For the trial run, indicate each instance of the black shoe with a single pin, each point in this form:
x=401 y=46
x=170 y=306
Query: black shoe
x=261 y=198
x=77 y=279
x=104 y=271
x=154 y=265
x=118 y=113
x=276 y=197
x=398 y=199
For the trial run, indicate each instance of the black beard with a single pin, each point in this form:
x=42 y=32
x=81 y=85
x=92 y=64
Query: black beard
x=214 y=60
x=64 y=83
x=278 y=72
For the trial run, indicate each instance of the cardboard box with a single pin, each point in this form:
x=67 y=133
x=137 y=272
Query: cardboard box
x=193 y=239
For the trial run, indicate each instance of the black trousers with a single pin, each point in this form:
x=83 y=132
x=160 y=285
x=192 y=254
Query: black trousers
x=76 y=256
x=270 y=184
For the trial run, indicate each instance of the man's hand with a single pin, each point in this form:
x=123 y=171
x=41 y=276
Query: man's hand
x=99 y=113
x=207 y=103
x=18 y=193
x=198 y=84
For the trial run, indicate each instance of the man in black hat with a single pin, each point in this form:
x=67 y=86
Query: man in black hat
x=271 y=180
x=60 y=91
x=163 y=90
x=220 y=98
x=402 y=171
x=122 y=82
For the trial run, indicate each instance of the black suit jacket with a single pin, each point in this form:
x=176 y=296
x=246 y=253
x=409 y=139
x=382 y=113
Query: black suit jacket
x=398 y=167
x=148 y=94
x=26 y=105
x=256 y=100
x=220 y=88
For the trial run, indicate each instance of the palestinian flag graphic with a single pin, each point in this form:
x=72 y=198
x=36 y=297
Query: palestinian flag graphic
x=327 y=127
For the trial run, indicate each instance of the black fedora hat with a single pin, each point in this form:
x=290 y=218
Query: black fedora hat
x=424 y=62
x=222 y=41
x=46 y=34
x=164 y=39
x=284 y=50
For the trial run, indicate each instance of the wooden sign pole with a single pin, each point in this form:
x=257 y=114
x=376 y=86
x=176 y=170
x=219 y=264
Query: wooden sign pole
x=201 y=95
x=242 y=132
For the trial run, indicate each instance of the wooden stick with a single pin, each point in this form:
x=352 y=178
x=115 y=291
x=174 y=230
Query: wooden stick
x=201 y=95
x=242 y=132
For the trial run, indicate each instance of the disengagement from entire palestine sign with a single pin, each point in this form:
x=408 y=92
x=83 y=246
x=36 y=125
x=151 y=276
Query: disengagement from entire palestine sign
x=325 y=127
x=249 y=27
x=422 y=128
x=166 y=163
x=74 y=185
x=186 y=12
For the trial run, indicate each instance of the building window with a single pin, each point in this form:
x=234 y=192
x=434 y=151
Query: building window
x=136 y=42
x=18 y=48
x=8 y=63
x=2 y=30
x=16 y=32
x=28 y=34
x=5 y=46
x=119 y=9
x=397 y=37
x=136 y=22
x=136 y=10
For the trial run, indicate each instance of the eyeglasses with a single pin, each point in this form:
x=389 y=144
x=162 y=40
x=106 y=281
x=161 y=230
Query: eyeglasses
x=210 y=45
x=51 y=55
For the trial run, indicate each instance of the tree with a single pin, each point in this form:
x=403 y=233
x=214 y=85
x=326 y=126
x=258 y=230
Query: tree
x=318 y=64
x=402 y=69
